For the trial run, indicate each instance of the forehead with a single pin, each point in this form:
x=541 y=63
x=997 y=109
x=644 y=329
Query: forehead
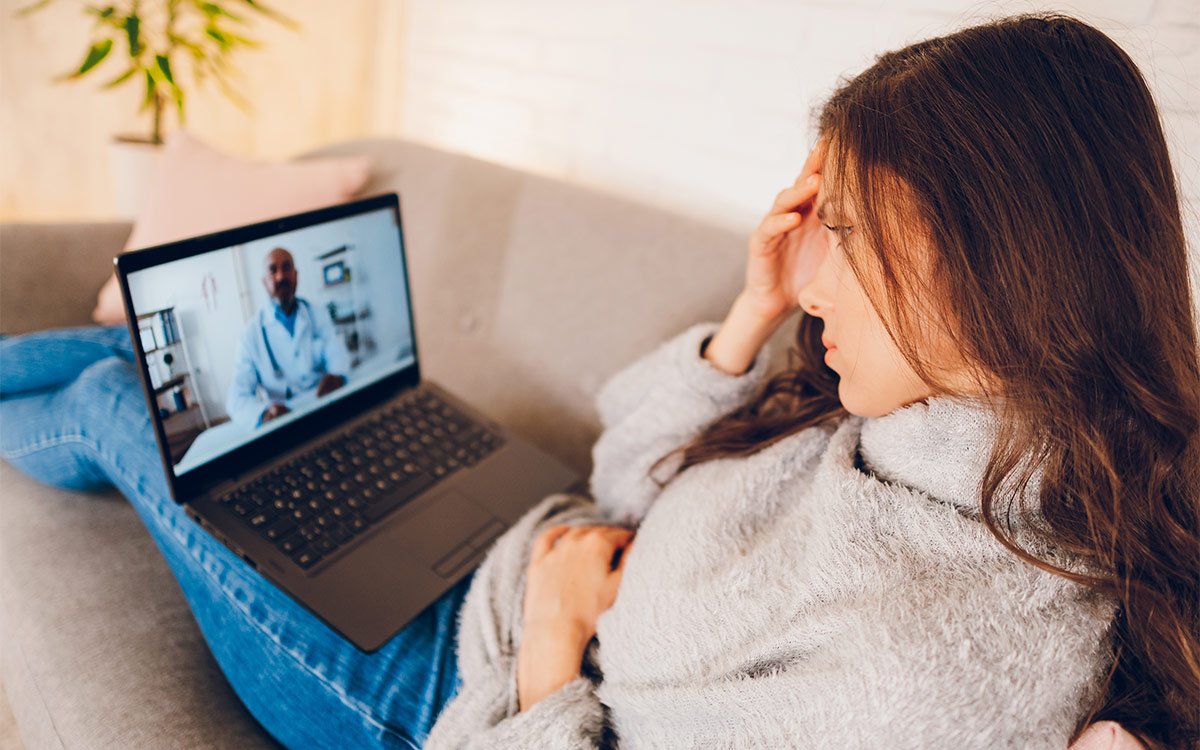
x=278 y=257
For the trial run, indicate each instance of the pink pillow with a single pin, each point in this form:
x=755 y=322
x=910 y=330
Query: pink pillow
x=196 y=189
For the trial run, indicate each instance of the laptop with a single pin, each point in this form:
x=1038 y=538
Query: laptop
x=280 y=365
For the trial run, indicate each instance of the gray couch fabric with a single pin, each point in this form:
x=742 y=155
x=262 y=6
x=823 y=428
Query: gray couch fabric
x=528 y=293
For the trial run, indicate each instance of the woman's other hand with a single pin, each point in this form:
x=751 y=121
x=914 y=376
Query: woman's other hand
x=571 y=580
x=785 y=251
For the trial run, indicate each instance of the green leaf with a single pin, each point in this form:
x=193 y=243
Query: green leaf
x=133 y=26
x=178 y=94
x=97 y=53
x=151 y=88
x=215 y=33
x=273 y=14
x=231 y=16
x=245 y=41
x=122 y=78
x=32 y=8
x=165 y=66
x=229 y=91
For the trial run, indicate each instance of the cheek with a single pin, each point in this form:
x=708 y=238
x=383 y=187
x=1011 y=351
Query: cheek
x=866 y=360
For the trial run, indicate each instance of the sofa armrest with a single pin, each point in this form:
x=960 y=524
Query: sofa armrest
x=52 y=272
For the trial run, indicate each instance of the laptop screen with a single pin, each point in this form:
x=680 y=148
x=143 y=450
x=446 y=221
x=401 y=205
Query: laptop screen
x=243 y=340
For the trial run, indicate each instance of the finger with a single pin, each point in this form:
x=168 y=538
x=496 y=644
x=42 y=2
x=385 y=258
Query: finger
x=617 y=531
x=614 y=536
x=815 y=160
x=790 y=198
x=575 y=533
x=602 y=529
x=546 y=540
x=604 y=539
x=762 y=241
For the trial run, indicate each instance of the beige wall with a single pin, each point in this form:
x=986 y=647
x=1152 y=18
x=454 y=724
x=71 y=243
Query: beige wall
x=308 y=87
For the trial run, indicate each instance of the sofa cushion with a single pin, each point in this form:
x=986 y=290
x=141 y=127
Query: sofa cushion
x=53 y=271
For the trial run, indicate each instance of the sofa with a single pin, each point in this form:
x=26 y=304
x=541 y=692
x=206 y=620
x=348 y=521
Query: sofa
x=528 y=292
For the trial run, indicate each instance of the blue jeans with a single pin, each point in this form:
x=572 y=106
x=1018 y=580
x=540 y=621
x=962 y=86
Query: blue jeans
x=73 y=414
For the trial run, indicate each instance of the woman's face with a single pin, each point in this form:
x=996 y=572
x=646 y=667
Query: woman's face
x=875 y=379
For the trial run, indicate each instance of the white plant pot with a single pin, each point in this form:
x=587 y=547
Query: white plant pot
x=132 y=163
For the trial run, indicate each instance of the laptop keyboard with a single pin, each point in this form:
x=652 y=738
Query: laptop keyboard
x=318 y=502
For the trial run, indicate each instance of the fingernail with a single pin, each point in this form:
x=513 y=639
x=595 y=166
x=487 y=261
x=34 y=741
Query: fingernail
x=812 y=179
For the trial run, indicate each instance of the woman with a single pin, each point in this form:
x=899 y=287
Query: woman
x=974 y=525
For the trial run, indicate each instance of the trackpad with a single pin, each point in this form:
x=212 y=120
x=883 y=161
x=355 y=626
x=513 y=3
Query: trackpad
x=444 y=526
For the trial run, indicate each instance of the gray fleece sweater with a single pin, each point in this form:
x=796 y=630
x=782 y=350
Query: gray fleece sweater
x=835 y=590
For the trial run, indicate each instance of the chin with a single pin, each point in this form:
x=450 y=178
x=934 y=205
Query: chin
x=863 y=405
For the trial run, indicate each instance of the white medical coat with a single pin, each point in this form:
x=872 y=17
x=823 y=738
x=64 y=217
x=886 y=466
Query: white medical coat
x=303 y=357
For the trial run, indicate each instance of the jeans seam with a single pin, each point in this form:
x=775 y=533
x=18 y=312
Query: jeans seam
x=360 y=708
x=51 y=442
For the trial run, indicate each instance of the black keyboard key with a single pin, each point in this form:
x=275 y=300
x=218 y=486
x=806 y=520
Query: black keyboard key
x=279 y=528
x=307 y=558
x=399 y=496
x=325 y=545
x=291 y=544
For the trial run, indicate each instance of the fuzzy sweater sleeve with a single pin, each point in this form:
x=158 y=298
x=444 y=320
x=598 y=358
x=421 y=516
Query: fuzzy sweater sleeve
x=653 y=406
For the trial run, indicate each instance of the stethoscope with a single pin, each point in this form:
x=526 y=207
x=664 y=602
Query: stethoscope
x=271 y=354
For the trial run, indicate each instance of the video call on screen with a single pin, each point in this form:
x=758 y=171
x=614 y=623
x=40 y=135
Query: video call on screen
x=245 y=339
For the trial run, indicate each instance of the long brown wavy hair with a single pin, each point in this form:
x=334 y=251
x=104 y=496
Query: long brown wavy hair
x=1028 y=156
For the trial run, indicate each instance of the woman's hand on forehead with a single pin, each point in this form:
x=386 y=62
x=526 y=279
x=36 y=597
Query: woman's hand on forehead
x=787 y=246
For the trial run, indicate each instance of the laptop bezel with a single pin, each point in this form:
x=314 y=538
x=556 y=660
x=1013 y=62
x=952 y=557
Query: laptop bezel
x=261 y=451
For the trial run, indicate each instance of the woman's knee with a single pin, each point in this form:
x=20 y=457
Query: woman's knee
x=109 y=391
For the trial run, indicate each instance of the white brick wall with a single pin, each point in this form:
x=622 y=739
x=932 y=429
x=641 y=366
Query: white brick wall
x=703 y=106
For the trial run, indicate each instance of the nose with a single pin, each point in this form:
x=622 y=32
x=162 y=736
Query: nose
x=815 y=297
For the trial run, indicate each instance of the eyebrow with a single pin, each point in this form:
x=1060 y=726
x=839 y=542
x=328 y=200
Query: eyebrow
x=824 y=208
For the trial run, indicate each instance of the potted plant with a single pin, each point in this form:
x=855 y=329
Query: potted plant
x=164 y=46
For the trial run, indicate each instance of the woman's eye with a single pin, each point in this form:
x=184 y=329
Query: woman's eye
x=839 y=230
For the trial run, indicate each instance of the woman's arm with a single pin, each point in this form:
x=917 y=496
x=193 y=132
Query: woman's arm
x=658 y=404
x=668 y=397
x=741 y=337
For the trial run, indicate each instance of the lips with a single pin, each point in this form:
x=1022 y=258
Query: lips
x=828 y=344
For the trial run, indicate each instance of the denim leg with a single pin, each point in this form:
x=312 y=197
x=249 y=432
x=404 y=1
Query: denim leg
x=51 y=359
x=304 y=683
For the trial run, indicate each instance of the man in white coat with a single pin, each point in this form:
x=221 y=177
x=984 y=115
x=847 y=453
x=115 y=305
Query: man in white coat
x=288 y=351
